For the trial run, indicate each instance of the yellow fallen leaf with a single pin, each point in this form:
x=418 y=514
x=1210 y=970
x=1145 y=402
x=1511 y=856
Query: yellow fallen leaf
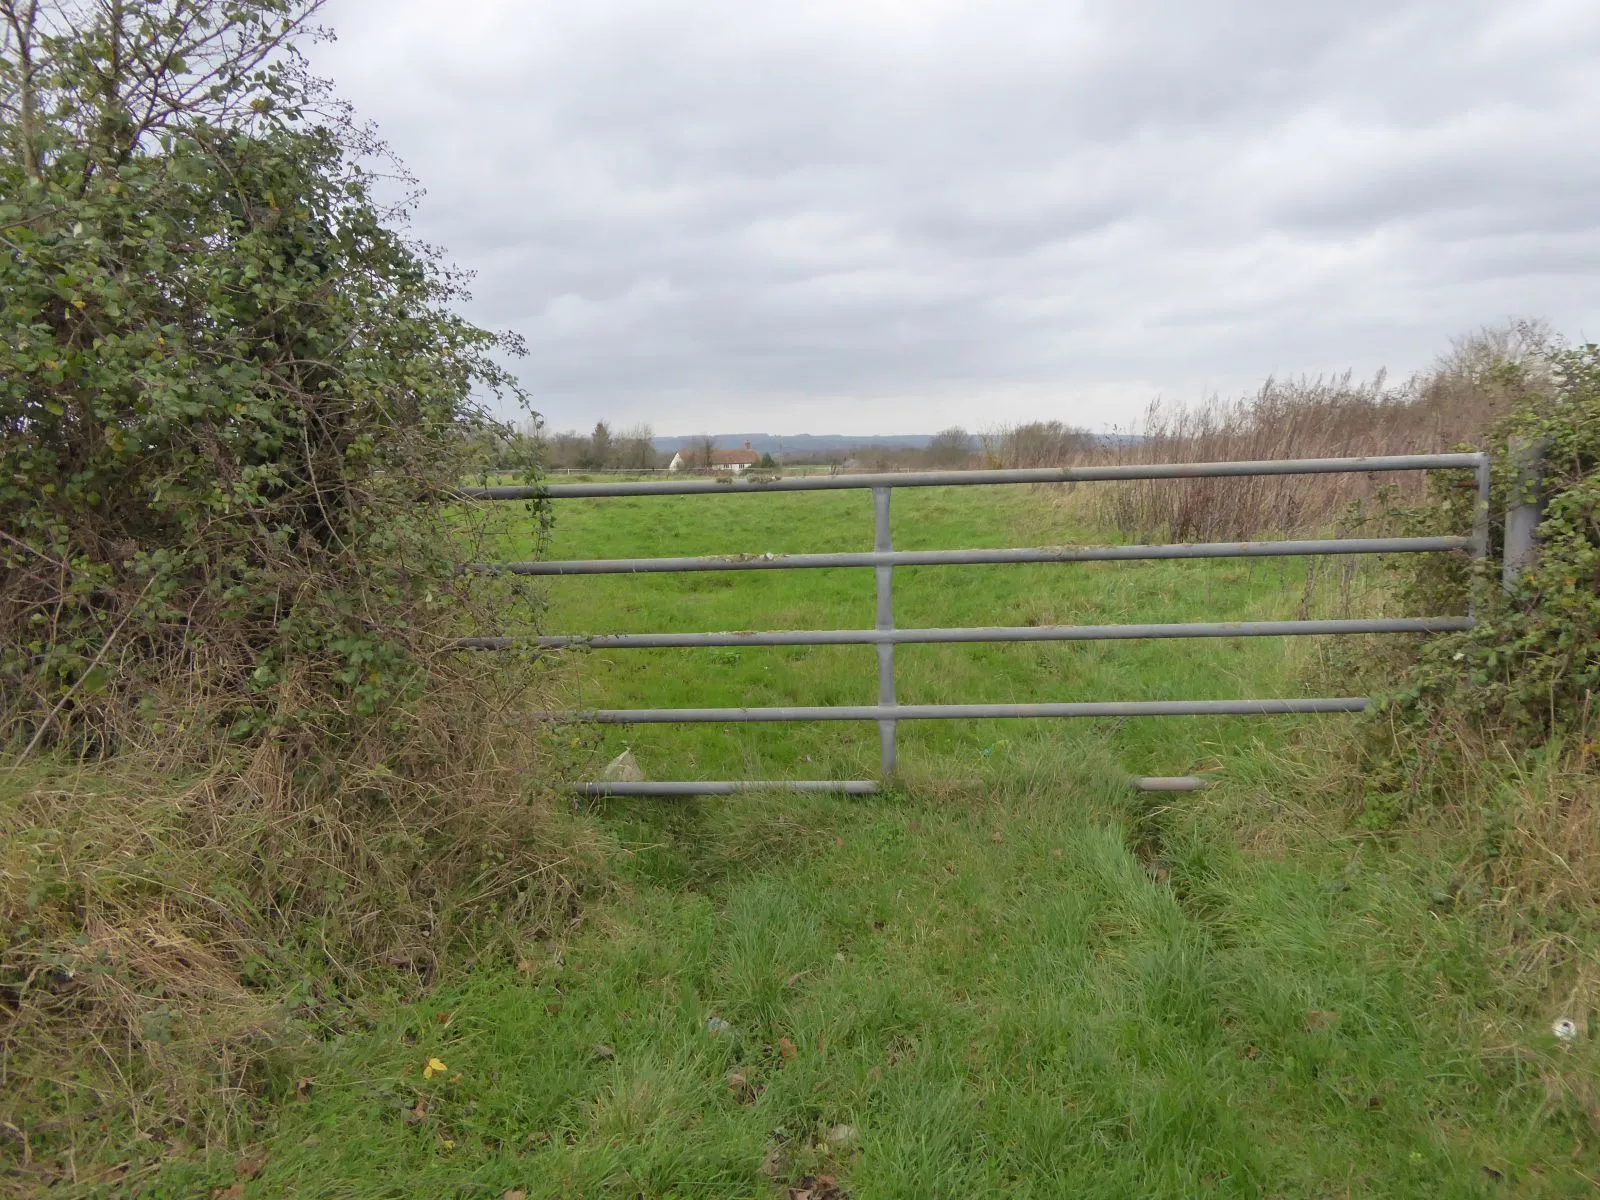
x=434 y=1067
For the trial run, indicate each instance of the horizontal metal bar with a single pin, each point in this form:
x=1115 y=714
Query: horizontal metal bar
x=948 y=712
x=848 y=787
x=1169 y=783
x=999 y=633
x=931 y=558
x=727 y=787
x=744 y=485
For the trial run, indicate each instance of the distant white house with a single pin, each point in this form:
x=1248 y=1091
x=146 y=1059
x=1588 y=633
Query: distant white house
x=734 y=462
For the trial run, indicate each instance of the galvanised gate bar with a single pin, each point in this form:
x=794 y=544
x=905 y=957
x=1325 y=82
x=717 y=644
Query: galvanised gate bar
x=883 y=559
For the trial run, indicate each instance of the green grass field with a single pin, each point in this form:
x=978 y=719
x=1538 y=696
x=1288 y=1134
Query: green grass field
x=1036 y=594
x=1039 y=984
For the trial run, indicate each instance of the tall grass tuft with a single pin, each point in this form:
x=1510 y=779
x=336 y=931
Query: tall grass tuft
x=1312 y=418
x=171 y=945
x=1453 y=404
x=249 y=782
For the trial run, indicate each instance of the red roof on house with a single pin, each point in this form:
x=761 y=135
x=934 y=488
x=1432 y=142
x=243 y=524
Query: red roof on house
x=734 y=458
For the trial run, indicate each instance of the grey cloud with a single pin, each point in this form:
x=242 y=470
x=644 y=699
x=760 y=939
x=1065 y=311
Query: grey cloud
x=896 y=214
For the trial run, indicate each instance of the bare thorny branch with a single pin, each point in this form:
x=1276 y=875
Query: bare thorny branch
x=156 y=66
x=19 y=80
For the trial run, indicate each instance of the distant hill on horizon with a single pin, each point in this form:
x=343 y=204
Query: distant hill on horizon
x=822 y=443
x=796 y=443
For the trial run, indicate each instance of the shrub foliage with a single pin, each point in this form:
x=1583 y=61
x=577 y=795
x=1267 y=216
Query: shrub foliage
x=1530 y=666
x=235 y=404
x=233 y=400
x=1518 y=688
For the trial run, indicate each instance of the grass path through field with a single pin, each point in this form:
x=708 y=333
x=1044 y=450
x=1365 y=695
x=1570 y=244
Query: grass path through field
x=1046 y=986
x=992 y=999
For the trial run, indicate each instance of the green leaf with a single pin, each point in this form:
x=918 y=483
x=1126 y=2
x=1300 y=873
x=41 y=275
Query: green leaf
x=94 y=681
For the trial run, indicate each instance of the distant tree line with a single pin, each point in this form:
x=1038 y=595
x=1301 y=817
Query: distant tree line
x=1034 y=444
x=604 y=449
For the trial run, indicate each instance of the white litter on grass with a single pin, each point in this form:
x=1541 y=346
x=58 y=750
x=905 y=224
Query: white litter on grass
x=717 y=1026
x=1565 y=1029
x=624 y=768
x=840 y=1137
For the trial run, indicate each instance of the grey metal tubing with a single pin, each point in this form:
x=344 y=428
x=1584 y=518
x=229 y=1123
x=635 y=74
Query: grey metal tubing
x=1480 y=523
x=883 y=543
x=727 y=787
x=1169 y=783
x=828 y=483
x=934 y=558
x=1524 y=508
x=999 y=633
x=848 y=787
x=948 y=712
x=1480 y=529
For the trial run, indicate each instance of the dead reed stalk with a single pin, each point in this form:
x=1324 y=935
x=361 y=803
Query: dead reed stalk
x=1453 y=404
x=1318 y=418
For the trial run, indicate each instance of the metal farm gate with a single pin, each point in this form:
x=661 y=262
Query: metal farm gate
x=883 y=559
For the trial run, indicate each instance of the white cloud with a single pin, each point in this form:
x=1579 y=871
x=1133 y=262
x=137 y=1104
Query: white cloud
x=894 y=215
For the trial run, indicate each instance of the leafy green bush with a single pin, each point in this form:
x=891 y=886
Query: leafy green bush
x=1531 y=664
x=235 y=410
x=1526 y=675
x=233 y=400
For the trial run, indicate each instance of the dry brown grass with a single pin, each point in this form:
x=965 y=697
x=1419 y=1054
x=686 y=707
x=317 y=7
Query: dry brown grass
x=1536 y=821
x=169 y=943
x=1451 y=405
x=1524 y=831
x=121 y=982
x=1036 y=444
x=1285 y=419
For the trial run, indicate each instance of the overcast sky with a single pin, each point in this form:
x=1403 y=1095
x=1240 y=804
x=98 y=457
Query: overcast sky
x=886 y=216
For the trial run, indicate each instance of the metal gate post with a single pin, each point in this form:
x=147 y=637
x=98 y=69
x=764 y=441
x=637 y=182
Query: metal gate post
x=1480 y=533
x=1524 y=507
x=882 y=543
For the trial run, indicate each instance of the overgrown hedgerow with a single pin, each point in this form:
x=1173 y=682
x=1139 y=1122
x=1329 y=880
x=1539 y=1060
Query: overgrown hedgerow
x=1492 y=732
x=235 y=405
x=1526 y=674
x=234 y=401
